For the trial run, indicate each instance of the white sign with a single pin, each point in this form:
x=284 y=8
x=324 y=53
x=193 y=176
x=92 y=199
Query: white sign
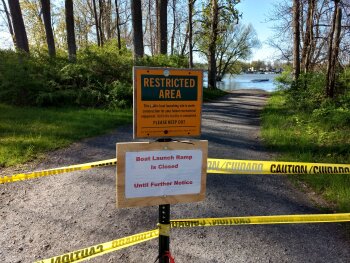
x=162 y=173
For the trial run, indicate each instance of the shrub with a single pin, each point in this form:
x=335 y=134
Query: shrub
x=120 y=95
x=101 y=77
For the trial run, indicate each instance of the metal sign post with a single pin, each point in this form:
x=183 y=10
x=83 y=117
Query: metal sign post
x=164 y=226
x=164 y=233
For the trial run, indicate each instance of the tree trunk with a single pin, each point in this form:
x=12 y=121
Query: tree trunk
x=183 y=49
x=212 y=45
x=151 y=28
x=9 y=23
x=108 y=19
x=45 y=5
x=100 y=23
x=296 y=42
x=333 y=50
x=137 y=28
x=190 y=33
x=72 y=48
x=96 y=23
x=18 y=25
x=172 y=41
x=162 y=26
x=309 y=37
x=118 y=25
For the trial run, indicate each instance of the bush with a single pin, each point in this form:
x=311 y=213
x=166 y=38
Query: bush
x=308 y=92
x=121 y=95
x=101 y=77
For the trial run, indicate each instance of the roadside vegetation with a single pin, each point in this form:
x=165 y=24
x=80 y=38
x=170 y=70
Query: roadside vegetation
x=302 y=124
x=47 y=103
x=213 y=94
x=28 y=132
x=100 y=78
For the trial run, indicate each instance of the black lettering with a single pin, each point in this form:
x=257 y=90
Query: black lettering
x=272 y=168
x=58 y=260
x=303 y=169
x=65 y=259
x=76 y=254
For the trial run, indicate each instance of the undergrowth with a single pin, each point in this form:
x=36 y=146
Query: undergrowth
x=27 y=132
x=303 y=125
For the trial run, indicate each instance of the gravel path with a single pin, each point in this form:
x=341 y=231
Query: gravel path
x=50 y=216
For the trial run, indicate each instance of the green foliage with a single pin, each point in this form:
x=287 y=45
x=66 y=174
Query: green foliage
x=174 y=61
x=303 y=125
x=318 y=134
x=212 y=94
x=285 y=79
x=120 y=95
x=308 y=92
x=101 y=77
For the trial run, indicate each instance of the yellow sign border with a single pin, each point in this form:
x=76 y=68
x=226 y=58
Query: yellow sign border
x=145 y=127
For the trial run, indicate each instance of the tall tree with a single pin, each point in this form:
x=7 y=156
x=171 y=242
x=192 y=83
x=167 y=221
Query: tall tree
x=173 y=32
x=214 y=14
x=9 y=22
x=218 y=16
x=308 y=42
x=151 y=28
x=72 y=48
x=118 y=24
x=100 y=22
x=18 y=25
x=190 y=33
x=236 y=43
x=96 y=23
x=162 y=18
x=137 y=28
x=333 y=50
x=296 y=39
x=46 y=10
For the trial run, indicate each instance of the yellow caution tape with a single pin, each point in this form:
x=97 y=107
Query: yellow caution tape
x=225 y=166
x=164 y=229
x=117 y=244
x=101 y=249
x=71 y=168
x=221 y=166
x=261 y=220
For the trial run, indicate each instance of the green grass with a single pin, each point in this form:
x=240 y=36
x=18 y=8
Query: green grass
x=310 y=137
x=210 y=94
x=27 y=133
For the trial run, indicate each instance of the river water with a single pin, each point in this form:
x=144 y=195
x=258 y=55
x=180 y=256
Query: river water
x=246 y=81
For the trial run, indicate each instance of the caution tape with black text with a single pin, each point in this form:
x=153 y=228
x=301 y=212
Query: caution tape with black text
x=221 y=166
x=101 y=249
x=104 y=248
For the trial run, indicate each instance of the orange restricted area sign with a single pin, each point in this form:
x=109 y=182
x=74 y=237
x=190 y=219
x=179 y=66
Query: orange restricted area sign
x=167 y=102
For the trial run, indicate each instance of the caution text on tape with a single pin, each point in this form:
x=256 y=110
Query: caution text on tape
x=104 y=248
x=221 y=166
x=101 y=249
x=261 y=220
x=226 y=166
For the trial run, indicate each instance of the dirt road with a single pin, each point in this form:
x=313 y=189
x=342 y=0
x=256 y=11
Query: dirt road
x=51 y=216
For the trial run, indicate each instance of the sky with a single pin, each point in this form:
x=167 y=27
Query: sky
x=254 y=12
